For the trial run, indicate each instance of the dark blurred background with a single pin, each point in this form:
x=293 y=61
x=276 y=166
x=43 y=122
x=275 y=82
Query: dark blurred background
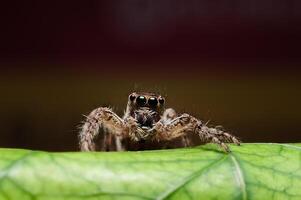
x=235 y=63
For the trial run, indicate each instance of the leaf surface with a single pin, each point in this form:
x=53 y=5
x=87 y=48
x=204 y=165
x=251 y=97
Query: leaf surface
x=250 y=171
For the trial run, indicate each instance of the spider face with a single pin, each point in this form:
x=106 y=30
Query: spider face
x=146 y=108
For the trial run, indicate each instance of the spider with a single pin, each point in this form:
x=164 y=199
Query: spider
x=146 y=125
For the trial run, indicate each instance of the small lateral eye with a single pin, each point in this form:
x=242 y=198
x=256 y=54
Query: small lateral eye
x=141 y=100
x=132 y=97
x=152 y=101
x=161 y=100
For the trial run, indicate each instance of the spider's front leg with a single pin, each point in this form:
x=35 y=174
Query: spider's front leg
x=98 y=119
x=185 y=124
x=169 y=115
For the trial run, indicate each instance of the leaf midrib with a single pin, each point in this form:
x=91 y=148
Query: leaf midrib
x=240 y=177
x=164 y=195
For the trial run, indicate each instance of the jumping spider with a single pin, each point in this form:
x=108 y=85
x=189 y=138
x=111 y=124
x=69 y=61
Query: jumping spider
x=145 y=125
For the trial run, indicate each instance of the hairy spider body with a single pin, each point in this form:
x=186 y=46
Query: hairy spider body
x=146 y=125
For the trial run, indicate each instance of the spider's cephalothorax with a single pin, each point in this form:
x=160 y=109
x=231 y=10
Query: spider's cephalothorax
x=146 y=108
x=145 y=125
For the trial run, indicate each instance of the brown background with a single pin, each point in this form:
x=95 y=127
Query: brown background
x=235 y=63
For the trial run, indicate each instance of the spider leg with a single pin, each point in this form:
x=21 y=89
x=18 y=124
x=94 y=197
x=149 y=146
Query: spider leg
x=184 y=124
x=216 y=136
x=135 y=132
x=222 y=135
x=170 y=114
x=100 y=118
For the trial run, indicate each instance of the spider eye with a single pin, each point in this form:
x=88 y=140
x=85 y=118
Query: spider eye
x=161 y=100
x=152 y=101
x=141 y=100
x=132 y=97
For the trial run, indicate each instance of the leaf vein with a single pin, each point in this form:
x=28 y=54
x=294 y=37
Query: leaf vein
x=239 y=176
x=186 y=180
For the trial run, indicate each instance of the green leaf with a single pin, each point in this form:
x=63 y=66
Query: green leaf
x=250 y=171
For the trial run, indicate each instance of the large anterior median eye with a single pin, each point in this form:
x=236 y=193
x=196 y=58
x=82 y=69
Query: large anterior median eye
x=141 y=100
x=152 y=101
